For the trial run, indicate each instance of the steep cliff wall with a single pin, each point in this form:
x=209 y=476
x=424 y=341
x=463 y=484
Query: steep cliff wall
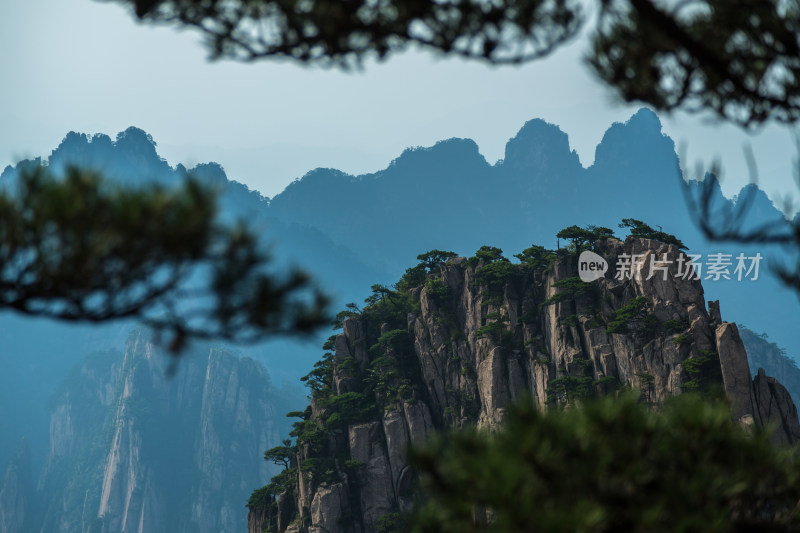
x=135 y=451
x=478 y=334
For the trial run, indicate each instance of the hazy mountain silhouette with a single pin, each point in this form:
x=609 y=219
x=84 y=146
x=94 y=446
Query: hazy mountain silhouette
x=448 y=197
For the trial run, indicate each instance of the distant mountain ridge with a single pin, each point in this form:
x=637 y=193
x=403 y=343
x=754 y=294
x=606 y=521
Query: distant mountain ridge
x=132 y=450
x=448 y=197
x=347 y=229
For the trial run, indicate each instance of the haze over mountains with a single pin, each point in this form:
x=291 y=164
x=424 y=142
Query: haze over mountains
x=353 y=231
x=449 y=197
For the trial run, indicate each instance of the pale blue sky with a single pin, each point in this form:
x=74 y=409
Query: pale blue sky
x=87 y=66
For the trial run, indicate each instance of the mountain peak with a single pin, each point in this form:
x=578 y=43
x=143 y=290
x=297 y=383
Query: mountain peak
x=541 y=146
x=136 y=137
x=646 y=119
x=640 y=145
x=453 y=151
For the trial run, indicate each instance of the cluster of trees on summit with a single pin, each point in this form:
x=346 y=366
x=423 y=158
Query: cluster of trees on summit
x=593 y=462
x=583 y=237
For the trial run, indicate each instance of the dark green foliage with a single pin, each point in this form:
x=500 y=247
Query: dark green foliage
x=391 y=307
x=264 y=498
x=346 y=33
x=82 y=249
x=413 y=277
x=385 y=377
x=322 y=374
x=281 y=455
x=634 y=318
x=495 y=276
x=493 y=330
x=433 y=260
x=570 y=288
x=283 y=481
x=330 y=343
x=391 y=523
x=388 y=372
x=647 y=384
x=536 y=257
x=397 y=340
x=682 y=339
x=578 y=237
x=309 y=432
x=260 y=498
x=704 y=56
x=609 y=383
x=348 y=364
x=497 y=331
x=595 y=322
x=640 y=230
x=569 y=321
x=311 y=464
x=437 y=290
x=584 y=238
x=577 y=385
x=347 y=408
x=599 y=233
x=489 y=254
x=352 y=464
x=609 y=465
x=351 y=311
x=677 y=325
x=379 y=294
x=703 y=371
x=567 y=389
x=430 y=262
x=649 y=327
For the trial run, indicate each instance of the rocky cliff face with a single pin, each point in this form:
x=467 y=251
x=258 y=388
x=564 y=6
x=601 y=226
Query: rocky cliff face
x=478 y=336
x=135 y=451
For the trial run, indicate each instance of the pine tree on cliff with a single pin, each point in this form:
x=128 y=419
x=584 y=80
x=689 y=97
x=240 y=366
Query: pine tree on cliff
x=82 y=249
x=611 y=465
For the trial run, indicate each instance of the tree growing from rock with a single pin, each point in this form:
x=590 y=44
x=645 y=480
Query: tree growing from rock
x=640 y=230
